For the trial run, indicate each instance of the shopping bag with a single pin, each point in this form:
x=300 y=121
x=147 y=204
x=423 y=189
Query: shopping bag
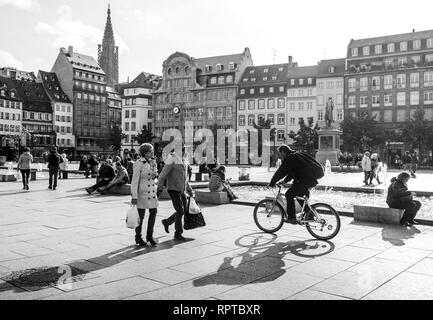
x=193 y=207
x=132 y=218
x=18 y=175
x=192 y=221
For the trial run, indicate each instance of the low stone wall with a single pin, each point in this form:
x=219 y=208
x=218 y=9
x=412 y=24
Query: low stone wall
x=379 y=214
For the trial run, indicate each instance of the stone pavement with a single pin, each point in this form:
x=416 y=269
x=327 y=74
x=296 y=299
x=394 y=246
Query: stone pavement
x=47 y=236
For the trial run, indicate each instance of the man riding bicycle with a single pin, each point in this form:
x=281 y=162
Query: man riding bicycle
x=303 y=169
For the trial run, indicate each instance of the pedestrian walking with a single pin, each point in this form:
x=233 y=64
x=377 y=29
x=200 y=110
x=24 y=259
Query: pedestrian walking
x=93 y=163
x=366 y=167
x=130 y=168
x=175 y=172
x=106 y=174
x=144 y=192
x=84 y=166
x=24 y=165
x=400 y=198
x=63 y=165
x=54 y=160
x=374 y=168
x=415 y=162
x=407 y=163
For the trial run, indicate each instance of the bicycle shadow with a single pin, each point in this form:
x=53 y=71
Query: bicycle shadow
x=35 y=279
x=267 y=261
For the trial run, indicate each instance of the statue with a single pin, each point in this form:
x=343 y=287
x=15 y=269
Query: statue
x=329 y=112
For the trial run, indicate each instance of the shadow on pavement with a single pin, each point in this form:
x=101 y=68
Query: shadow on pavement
x=36 y=279
x=264 y=258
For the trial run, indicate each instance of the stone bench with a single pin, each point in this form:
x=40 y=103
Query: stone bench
x=379 y=214
x=211 y=197
x=7 y=177
x=66 y=172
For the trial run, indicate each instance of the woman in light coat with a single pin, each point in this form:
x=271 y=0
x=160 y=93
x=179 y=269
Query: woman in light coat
x=24 y=165
x=366 y=166
x=144 y=192
x=63 y=165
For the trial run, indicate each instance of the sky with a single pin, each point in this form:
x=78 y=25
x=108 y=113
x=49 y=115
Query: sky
x=148 y=32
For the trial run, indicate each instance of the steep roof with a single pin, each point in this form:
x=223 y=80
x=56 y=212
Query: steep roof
x=308 y=71
x=224 y=60
x=391 y=38
x=8 y=85
x=264 y=74
x=143 y=80
x=325 y=71
x=52 y=86
x=34 y=96
x=84 y=62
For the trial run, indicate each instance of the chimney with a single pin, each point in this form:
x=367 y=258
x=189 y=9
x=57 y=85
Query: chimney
x=70 y=50
x=62 y=50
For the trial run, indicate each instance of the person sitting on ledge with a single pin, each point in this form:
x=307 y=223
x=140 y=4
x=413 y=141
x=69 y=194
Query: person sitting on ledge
x=120 y=179
x=218 y=183
x=106 y=174
x=400 y=198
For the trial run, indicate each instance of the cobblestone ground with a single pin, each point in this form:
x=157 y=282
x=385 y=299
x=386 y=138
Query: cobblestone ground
x=49 y=236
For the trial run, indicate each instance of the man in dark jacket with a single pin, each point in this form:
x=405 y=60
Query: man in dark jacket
x=106 y=174
x=53 y=161
x=295 y=166
x=400 y=197
x=407 y=163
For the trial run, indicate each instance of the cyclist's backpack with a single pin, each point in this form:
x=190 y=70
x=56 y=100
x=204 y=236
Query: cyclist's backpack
x=315 y=169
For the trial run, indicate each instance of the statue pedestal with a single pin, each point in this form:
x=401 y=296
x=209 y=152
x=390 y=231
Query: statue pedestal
x=329 y=145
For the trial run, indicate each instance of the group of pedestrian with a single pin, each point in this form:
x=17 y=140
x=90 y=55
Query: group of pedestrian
x=371 y=166
x=345 y=158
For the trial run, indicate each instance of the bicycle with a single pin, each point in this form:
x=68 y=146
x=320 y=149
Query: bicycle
x=318 y=218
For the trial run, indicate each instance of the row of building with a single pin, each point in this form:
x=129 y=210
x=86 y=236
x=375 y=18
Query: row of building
x=77 y=104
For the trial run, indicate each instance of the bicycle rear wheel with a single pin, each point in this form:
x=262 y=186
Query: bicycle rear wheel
x=269 y=216
x=326 y=224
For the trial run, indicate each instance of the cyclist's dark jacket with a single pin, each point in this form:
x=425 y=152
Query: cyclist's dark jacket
x=294 y=167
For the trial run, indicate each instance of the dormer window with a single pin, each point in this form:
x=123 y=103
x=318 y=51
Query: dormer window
x=310 y=81
x=403 y=46
x=301 y=81
x=251 y=71
x=390 y=47
x=274 y=78
x=169 y=71
x=2 y=92
x=177 y=70
x=366 y=51
x=219 y=67
x=354 y=52
x=12 y=94
x=245 y=80
x=331 y=69
x=253 y=79
x=266 y=70
x=231 y=65
x=265 y=78
x=208 y=68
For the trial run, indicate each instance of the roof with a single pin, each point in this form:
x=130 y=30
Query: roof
x=143 y=80
x=274 y=73
x=84 y=62
x=34 y=96
x=224 y=60
x=308 y=71
x=325 y=71
x=52 y=86
x=392 y=38
x=8 y=85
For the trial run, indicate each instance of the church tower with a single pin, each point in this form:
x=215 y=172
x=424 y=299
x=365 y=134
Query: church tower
x=108 y=54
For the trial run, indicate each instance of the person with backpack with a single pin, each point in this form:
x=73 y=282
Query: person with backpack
x=303 y=169
x=54 y=160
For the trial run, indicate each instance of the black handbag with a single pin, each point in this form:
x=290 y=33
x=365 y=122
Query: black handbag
x=192 y=221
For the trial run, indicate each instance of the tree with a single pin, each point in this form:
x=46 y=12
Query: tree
x=115 y=138
x=418 y=131
x=362 y=133
x=145 y=136
x=306 y=139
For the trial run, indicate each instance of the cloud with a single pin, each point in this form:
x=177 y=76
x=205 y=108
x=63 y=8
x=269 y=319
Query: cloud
x=28 y=5
x=8 y=60
x=67 y=31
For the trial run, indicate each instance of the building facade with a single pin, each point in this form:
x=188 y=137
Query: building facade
x=62 y=112
x=330 y=85
x=390 y=77
x=114 y=105
x=15 y=74
x=200 y=92
x=84 y=82
x=137 y=107
x=301 y=96
x=10 y=119
x=262 y=94
x=108 y=53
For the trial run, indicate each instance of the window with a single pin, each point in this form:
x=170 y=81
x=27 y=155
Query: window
x=430 y=43
x=402 y=62
x=375 y=101
x=292 y=106
x=310 y=81
x=292 y=82
x=241 y=120
x=271 y=89
x=301 y=82
x=387 y=116
x=242 y=91
x=320 y=85
x=229 y=79
x=415 y=60
x=281 y=134
x=363 y=84
x=414 y=98
x=363 y=101
x=354 y=52
x=242 y=105
x=329 y=84
x=281 y=118
x=253 y=79
x=281 y=103
x=428 y=78
x=292 y=121
x=309 y=105
x=401 y=98
x=219 y=67
x=389 y=62
x=375 y=83
x=401 y=115
x=391 y=47
x=126 y=126
x=133 y=126
x=416 y=44
x=262 y=90
x=320 y=100
x=352 y=101
x=252 y=91
x=281 y=88
x=401 y=81
x=428 y=97
x=133 y=113
x=352 y=85
x=251 y=71
x=387 y=99
x=320 y=116
x=213 y=80
x=251 y=119
x=221 y=80
x=414 y=80
x=265 y=78
x=309 y=92
x=387 y=82
x=251 y=104
x=300 y=106
x=231 y=65
x=261 y=104
x=378 y=49
x=403 y=46
x=271 y=103
x=271 y=118
x=366 y=51
x=265 y=70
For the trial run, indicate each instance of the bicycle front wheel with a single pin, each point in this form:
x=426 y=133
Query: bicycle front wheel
x=325 y=223
x=269 y=216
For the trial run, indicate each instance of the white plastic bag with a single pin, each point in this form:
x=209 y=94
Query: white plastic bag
x=18 y=175
x=193 y=207
x=132 y=218
x=298 y=208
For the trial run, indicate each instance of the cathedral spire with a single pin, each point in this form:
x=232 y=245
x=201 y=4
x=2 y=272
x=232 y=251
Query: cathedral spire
x=108 y=32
